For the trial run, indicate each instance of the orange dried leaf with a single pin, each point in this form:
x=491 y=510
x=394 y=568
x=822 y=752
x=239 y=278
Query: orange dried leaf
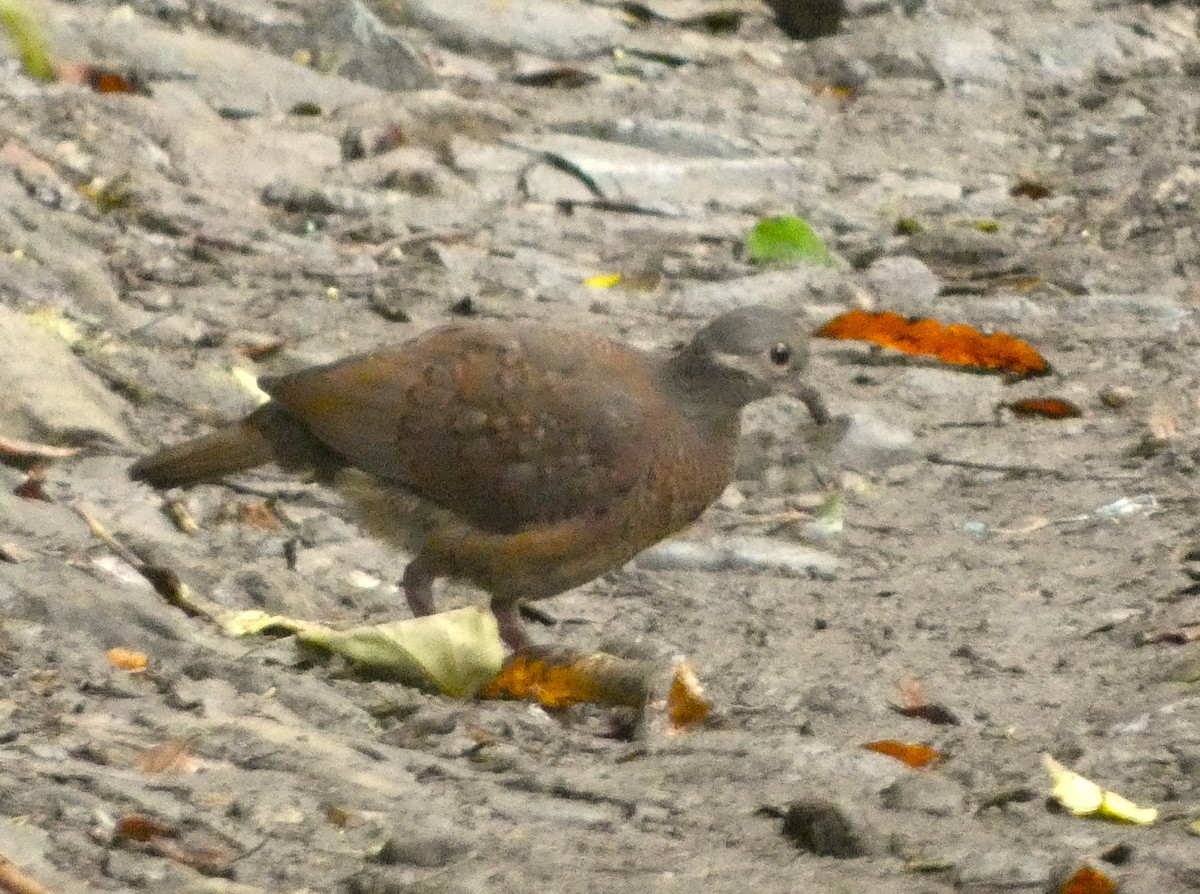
x=911 y=753
x=560 y=680
x=954 y=343
x=1088 y=881
x=1046 y=407
x=686 y=704
x=141 y=827
x=128 y=660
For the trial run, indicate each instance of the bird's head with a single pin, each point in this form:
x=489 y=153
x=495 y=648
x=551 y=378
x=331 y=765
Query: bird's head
x=751 y=353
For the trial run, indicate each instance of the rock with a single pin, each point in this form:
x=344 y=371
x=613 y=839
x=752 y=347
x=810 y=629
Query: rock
x=1003 y=870
x=808 y=19
x=871 y=445
x=827 y=828
x=926 y=793
x=761 y=555
x=374 y=53
x=47 y=393
x=967 y=56
x=427 y=847
x=541 y=27
x=897 y=280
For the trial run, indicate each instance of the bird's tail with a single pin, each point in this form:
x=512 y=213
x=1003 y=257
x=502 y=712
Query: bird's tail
x=268 y=434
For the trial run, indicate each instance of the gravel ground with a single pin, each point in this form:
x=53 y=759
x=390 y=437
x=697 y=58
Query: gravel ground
x=302 y=180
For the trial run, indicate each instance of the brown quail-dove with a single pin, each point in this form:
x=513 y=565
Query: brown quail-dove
x=543 y=457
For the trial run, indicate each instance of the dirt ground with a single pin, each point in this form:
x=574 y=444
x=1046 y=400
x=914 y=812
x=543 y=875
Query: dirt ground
x=301 y=180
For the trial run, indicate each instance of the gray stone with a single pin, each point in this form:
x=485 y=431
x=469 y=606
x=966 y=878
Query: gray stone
x=967 y=56
x=901 y=279
x=47 y=394
x=827 y=828
x=1005 y=870
x=374 y=53
x=763 y=555
x=541 y=27
x=428 y=847
x=583 y=169
x=1073 y=52
x=871 y=445
x=927 y=793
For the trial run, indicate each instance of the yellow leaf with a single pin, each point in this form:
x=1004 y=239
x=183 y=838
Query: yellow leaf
x=1083 y=797
x=248 y=382
x=456 y=652
x=603 y=280
x=253 y=622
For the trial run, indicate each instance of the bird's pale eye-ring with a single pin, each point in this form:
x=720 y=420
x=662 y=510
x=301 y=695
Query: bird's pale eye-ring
x=780 y=354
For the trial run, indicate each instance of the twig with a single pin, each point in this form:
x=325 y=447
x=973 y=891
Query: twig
x=14 y=881
x=940 y=459
x=14 y=448
x=164 y=580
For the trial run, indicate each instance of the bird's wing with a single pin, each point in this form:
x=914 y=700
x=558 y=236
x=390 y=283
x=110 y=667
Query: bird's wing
x=504 y=425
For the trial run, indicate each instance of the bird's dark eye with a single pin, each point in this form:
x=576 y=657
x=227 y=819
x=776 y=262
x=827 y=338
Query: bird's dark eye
x=780 y=354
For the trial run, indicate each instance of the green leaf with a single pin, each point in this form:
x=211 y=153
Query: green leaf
x=27 y=36
x=786 y=240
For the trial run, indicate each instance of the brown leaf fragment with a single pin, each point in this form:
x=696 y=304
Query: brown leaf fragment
x=263 y=350
x=102 y=80
x=913 y=703
x=560 y=76
x=1045 y=407
x=32 y=488
x=140 y=827
x=215 y=862
x=171 y=756
x=1031 y=188
x=260 y=516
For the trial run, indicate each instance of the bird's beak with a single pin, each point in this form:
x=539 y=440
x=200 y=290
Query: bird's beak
x=812 y=399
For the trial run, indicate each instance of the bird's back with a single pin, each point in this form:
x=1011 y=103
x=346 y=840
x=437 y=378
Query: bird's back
x=506 y=425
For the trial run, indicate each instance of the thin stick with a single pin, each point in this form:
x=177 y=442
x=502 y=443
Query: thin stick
x=14 y=881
